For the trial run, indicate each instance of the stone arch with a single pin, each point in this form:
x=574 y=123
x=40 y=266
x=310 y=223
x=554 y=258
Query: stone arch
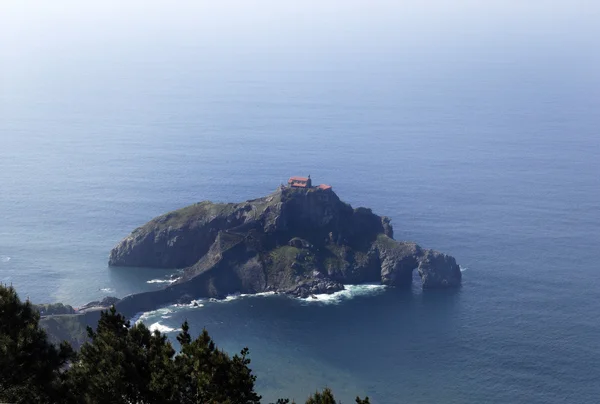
x=436 y=270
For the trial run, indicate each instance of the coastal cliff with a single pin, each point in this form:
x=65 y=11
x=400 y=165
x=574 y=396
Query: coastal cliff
x=297 y=241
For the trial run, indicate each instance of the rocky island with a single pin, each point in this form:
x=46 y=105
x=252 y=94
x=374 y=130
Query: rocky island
x=300 y=240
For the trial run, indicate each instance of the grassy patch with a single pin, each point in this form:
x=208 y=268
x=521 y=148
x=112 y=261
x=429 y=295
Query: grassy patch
x=287 y=262
x=360 y=258
x=227 y=240
x=386 y=242
x=333 y=258
x=285 y=255
x=202 y=211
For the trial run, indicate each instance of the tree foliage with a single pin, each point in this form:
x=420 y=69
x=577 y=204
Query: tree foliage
x=326 y=397
x=121 y=363
x=30 y=366
x=130 y=364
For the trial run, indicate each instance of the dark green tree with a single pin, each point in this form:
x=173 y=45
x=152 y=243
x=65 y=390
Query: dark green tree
x=326 y=397
x=120 y=363
x=208 y=375
x=31 y=368
x=129 y=364
x=123 y=364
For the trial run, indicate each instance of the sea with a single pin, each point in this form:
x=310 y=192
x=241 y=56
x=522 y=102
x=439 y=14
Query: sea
x=474 y=126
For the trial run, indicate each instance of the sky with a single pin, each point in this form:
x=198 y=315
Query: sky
x=270 y=25
x=45 y=40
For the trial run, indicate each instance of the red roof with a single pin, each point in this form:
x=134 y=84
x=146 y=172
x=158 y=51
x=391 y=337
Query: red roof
x=300 y=185
x=324 y=186
x=304 y=179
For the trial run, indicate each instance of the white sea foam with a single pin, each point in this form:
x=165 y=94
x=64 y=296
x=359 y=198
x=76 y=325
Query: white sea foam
x=463 y=269
x=162 y=280
x=162 y=328
x=237 y=296
x=4 y=258
x=263 y=294
x=241 y=295
x=141 y=317
x=136 y=318
x=192 y=304
x=195 y=303
x=152 y=316
x=349 y=292
x=107 y=290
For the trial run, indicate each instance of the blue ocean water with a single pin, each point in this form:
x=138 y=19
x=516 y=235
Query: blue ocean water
x=479 y=136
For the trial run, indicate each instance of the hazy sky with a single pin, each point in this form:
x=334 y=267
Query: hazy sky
x=274 y=25
x=40 y=39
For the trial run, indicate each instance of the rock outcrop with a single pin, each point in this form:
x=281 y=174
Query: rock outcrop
x=54 y=309
x=294 y=241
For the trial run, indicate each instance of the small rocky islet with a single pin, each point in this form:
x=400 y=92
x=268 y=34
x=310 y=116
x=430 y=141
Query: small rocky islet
x=301 y=240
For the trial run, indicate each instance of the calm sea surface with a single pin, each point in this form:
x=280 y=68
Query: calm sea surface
x=481 y=141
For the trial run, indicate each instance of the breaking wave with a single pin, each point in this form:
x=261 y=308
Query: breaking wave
x=241 y=295
x=140 y=317
x=162 y=328
x=162 y=280
x=107 y=290
x=463 y=269
x=4 y=258
x=194 y=303
x=349 y=292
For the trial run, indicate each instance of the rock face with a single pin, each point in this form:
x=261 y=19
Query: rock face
x=54 y=309
x=295 y=241
x=104 y=303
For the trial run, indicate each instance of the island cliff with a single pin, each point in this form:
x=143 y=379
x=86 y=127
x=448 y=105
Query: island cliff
x=298 y=241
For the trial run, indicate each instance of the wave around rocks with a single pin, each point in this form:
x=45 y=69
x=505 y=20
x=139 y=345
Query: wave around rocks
x=162 y=280
x=350 y=291
x=162 y=328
